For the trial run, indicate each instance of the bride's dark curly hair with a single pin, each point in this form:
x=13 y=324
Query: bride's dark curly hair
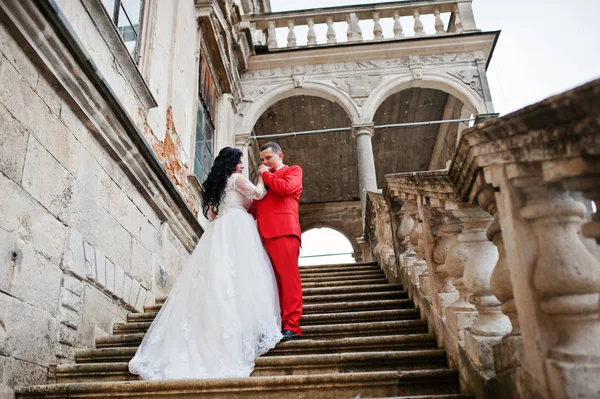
x=213 y=188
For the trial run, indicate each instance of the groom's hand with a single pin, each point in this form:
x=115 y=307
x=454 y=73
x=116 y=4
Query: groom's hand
x=262 y=169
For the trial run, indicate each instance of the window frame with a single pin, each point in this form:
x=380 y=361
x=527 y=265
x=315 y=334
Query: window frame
x=114 y=18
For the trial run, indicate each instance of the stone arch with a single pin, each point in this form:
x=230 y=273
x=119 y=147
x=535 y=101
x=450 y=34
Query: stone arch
x=264 y=101
x=443 y=82
x=337 y=227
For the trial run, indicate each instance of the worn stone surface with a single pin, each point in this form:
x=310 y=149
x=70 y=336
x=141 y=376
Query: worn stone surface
x=31 y=277
x=26 y=106
x=13 y=146
x=98 y=315
x=47 y=92
x=29 y=332
x=16 y=57
x=74 y=259
x=142 y=265
x=21 y=373
x=46 y=179
x=29 y=223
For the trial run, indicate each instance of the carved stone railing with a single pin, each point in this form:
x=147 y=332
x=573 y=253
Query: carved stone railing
x=379 y=233
x=501 y=254
x=458 y=12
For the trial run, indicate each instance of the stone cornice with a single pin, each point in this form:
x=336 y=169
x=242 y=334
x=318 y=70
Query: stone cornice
x=560 y=128
x=481 y=42
x=51 y=44
x=432 y=184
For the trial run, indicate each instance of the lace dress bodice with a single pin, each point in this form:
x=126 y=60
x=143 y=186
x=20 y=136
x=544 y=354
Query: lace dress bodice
x=239 y=194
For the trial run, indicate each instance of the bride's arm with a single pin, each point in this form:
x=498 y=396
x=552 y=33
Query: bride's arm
x=251 y=191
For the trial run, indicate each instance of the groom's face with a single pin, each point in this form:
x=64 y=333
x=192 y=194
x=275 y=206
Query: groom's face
x=271 y=159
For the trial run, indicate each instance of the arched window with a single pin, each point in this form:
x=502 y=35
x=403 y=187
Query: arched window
x=325 y=246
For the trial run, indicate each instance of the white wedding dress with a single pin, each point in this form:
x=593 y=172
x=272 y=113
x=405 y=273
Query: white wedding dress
x=223 y=311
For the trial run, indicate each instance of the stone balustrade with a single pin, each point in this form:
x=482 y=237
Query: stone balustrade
x=500 y=252
x=400 y=17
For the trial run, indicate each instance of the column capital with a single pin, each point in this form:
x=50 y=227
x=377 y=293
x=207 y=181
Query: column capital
x=363 y=128
x=241 y=139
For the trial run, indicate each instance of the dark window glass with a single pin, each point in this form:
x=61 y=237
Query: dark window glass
x=203 y=157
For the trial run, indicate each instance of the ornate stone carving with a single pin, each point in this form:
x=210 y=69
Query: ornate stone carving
x=447 y=58
x=471 y=78
x=359 y=86
x=416 y=66
x=298 y=80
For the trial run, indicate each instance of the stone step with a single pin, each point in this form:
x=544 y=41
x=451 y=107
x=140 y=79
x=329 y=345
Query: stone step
x=332 y=270
x=307 y=292
x=138 y=322
x=316 y=386
x=440 y=396
x=326 y=331
x=363 y=288
x=281 y=365
x=300 y=347
x=358 y=296
x=313 y=308
x=317 y=284
x=343 y=276
x=338 y=266
x=355 y=344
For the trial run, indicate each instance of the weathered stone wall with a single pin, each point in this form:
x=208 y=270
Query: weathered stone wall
x=79 y=244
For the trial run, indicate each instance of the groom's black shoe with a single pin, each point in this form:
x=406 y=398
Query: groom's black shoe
x=289 y=335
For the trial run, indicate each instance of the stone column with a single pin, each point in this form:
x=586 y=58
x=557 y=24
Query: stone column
x=242 y=141
x=367 y=179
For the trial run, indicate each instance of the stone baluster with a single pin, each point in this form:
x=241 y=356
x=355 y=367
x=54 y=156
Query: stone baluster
x=445 y=237
x=458 y=26
x=418 y=24
x=500 y=282
x=416 y=239
x=398 y=31
x=377 y=29
x=483 y=257
x=349 y=30
x=354 y=32
x=330 y=31
x=272 y=36
x=291 y=38
x=566 y=279
x=481 y=260
x=439 y=24
x=405 y=225
x=508 y=352
x=312 y=35
x=460 y=314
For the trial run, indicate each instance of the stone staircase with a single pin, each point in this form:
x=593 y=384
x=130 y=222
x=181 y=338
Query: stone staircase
x=362 y=336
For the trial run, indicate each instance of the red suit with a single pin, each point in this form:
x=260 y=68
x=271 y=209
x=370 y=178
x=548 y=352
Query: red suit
x=279 y=228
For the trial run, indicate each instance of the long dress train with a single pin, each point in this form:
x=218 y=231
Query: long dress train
x=223 y=310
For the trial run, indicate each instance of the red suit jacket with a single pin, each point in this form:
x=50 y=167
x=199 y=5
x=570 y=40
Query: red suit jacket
x=277 y=213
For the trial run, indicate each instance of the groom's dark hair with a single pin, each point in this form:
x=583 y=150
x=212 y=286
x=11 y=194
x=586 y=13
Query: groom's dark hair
x=273 y=146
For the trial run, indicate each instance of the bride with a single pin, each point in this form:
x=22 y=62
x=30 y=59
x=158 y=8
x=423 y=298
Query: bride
x=223 y=310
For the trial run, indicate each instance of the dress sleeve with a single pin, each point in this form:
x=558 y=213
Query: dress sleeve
x=251 y=191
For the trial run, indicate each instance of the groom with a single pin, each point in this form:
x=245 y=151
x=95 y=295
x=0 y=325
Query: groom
x=279 y=228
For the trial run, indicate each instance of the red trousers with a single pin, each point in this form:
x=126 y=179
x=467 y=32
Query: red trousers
x=284 y=252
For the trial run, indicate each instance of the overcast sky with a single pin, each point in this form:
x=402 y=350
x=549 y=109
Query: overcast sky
x=546 y=47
